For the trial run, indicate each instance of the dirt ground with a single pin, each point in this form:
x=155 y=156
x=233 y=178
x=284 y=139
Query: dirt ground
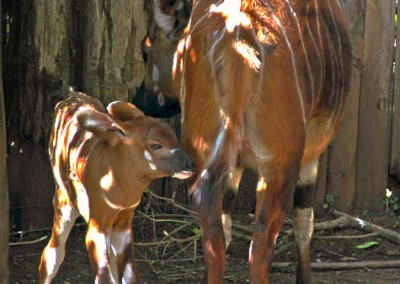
x=181 y=261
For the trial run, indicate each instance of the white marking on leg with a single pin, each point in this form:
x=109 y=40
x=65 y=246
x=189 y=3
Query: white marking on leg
x=82 y=202
x=308 y=173
x=120 y=240
x=303 y=227
x=66 y=219
x=128 y=274
x=227 y=226
x=100 y=243
x=54 y=257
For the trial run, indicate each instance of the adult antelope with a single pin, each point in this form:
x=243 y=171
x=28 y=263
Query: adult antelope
x=261 y=84
x=102 y=163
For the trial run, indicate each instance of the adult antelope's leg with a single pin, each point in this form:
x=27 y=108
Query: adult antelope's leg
x=53 y=255
x=303 y=219
x=228 y=204
x=272 y=200
x=122 y=246
x=208 y=200
x=98 y=246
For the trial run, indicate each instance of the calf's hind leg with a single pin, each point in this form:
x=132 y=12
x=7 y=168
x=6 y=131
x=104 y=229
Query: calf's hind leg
x=53 y=255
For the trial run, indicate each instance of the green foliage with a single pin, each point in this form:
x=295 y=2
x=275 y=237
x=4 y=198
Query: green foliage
x=329 y=199
x=397 y=223
x=367 y=245
x=364 y=213
x=391 y=202
x=196 y=231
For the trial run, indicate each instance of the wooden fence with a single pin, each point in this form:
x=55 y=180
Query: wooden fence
x=355 y=169
x=51 y=45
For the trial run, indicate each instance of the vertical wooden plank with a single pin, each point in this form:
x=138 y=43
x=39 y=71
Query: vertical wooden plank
x=4 y=213
x=341 y=180
x=395 y=116
x=341 y=172
x=320 y=194
x=372 y=153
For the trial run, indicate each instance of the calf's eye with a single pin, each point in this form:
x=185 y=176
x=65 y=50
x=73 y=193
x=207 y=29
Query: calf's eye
x=155 y=146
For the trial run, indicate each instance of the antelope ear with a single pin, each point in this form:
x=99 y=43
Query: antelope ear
x=101 y=125
x=123 y=111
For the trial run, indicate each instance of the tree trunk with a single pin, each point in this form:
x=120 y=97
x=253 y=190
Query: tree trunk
x=112 y=61
x=4 y=212
x=50 y=46
x=38 y=54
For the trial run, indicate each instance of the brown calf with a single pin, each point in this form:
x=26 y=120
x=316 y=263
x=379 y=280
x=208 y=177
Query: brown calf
x=261 y=84
x=102 y=163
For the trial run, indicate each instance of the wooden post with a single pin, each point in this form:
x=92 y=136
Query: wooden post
x=4 y=213
x=372 y=151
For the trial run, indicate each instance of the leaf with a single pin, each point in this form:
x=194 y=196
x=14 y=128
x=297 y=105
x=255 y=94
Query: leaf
x=196 y=231
x=367 y=245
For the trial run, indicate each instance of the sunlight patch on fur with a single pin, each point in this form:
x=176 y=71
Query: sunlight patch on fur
x=248 y=53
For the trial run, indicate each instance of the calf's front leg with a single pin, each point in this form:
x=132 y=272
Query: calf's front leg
x=122 y=248
x=99 y=248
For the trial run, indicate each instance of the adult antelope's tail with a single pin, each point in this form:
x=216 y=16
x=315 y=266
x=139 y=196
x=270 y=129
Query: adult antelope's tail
x=236 y=61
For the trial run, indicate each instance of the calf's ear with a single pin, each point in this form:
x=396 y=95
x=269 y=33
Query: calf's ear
x=123 y=111
x=101 y=125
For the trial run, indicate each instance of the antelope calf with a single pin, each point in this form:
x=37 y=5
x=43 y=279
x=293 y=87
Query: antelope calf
x=102 y=162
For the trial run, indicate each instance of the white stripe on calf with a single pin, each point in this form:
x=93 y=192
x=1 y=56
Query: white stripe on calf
x=53 y=257
x=67 y=217
x=120 y=240
x=128 y=274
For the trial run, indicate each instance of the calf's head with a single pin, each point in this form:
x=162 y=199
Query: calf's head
x=149 y=143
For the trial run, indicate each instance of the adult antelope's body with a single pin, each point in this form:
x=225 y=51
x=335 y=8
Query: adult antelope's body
x=261 y=84
x=102 y=163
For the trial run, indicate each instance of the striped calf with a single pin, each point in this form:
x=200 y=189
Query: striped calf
x=261 y=84
x=102 y=162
